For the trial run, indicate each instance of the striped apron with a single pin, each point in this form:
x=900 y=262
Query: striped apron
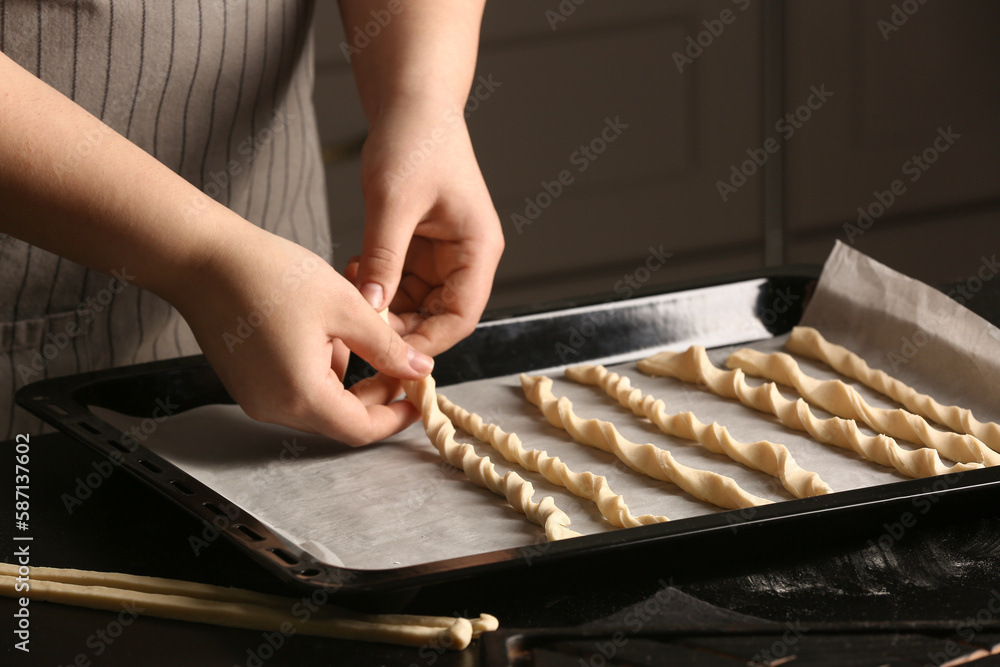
x=220 y=91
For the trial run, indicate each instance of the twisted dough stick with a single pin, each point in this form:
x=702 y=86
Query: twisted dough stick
x=481 y=470
x=844 y=401
x=694 y=366
x=647 y=459
x=586 y=484
x=774 y=459
x=808 y=342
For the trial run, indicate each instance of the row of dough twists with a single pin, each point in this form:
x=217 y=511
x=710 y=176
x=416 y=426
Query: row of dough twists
x=808 y=342
x=480 y=470
x=645 y=458
x=843 y=400
x=768 y=457
x=586 y=484
x=694 y=366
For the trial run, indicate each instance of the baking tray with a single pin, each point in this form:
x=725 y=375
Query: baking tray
x=725 y=312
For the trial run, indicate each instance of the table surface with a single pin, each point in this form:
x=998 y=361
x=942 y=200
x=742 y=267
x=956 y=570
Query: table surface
x=921 y=594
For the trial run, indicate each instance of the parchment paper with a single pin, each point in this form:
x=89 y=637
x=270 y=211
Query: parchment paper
x=396 y=503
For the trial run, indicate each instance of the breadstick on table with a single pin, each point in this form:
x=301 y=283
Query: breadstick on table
x=809 y=342
x=694 y=366
x=586 y=484
x=647 y=459
x=769 y=457
x=843 y=400
x=191 y=589
x=480 y=470
x=239 y=608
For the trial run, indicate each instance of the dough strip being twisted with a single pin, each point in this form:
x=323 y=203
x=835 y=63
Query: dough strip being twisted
x=586 y=484
x=647 y=459
x=694 y=366
x=769 y=457
x=843 y=400
x=480 y=470
x=809 y=342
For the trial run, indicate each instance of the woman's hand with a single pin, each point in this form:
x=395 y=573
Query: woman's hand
x=432 y=237
x=277 y=324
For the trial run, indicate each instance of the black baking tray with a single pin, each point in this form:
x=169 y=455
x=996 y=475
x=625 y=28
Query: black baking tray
x=724 y=312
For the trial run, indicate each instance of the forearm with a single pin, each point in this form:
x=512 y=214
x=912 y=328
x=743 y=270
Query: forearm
x=425 y=53
x=71 y=185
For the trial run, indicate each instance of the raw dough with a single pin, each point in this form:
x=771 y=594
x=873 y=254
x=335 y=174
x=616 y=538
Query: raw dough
x=769 y=457
x=480 y=470
x=808 y=342
x=647 y=459
x=843 y=400
x=694 y=366
x=586 y=484
x=232 y=607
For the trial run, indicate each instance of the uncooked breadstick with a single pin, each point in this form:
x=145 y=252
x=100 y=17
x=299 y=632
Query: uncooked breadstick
x=586 y=484
x=234 y=607
x=843 y=400
x=810 y=343
x=191 y=589
x=647 y=459
x=769 y=457
x=694 y=366
x=480 y=470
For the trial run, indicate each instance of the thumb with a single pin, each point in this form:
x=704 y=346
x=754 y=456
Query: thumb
x=372 y=339
x=386 y=240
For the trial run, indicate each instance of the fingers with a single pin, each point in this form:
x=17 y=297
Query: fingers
x=377 y=390
x=374 y=341
x=344 y=417
x=445 y=313
x=383 y=252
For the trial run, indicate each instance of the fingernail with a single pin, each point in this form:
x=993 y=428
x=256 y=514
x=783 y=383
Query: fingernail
x=373 y=294
x=420 y=362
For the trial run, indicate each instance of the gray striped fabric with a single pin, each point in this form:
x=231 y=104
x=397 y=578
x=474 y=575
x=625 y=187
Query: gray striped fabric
x=220 y=91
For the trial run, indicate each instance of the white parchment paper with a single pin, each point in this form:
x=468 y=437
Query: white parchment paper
x=396 y=503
